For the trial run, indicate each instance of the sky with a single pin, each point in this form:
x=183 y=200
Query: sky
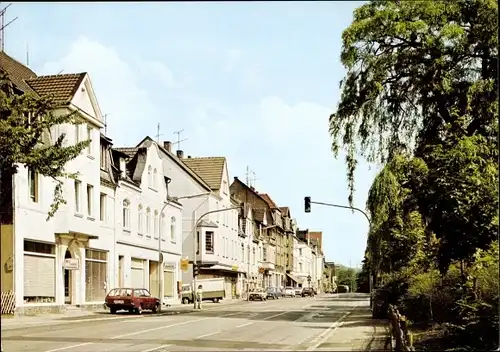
x=254 y=82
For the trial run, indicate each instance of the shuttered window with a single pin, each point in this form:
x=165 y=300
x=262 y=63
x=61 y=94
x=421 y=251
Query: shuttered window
x=39 y=272
x=168 y=281
x=137 y=273
x=96 y=268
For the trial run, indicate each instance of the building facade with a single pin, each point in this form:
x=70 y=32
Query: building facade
x=147 y=224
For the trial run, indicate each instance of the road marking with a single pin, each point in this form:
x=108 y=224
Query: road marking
x=156 y=348
x=68 y=347
x=246 y=324
x=326 y=334
x=277 y=315
x=57 y=322
x=143 y=331
x=207 y=335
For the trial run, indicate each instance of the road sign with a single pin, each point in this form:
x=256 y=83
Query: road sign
x=184 y=265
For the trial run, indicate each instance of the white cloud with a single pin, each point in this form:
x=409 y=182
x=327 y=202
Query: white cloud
x=115 y=83
x=159 y=72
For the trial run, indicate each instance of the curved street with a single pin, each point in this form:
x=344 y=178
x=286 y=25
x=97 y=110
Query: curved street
x=329 y=322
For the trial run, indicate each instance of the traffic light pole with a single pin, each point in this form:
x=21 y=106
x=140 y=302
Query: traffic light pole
x=196 y=244
x=307 y=206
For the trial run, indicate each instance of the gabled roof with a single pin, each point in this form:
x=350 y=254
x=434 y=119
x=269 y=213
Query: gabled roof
x=268 y=200
x=236 y=179
x=148 y=140
x=61 y=88
x=285 y=211
x=18 y=73
x=134 y=168
x=209 y=169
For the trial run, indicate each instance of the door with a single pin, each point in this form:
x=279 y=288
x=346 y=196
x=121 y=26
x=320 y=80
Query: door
x=120 y=271
x=67 y=281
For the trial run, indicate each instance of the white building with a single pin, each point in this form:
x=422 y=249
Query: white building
x=44 y=279
x=304 y=263
x=147 y=223
x=201 y=185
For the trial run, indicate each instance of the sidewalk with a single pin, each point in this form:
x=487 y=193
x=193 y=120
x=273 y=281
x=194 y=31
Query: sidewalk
x=75 y=315
x=357 y=332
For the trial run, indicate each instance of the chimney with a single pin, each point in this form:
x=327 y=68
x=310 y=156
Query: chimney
x=180 y=154
x=167 y=145
x=123 y=167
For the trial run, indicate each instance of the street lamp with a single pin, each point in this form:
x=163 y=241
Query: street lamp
x=160 y=254
x=195 y=245
x=307 y=209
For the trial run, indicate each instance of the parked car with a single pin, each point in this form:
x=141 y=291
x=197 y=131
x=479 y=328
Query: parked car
x=308 y=291
x=289 y=292
x=274 y=293
x=298 y=291
x=257 y=296
x=131 y=299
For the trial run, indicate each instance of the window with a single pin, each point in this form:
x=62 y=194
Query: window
x=150 y=176
x=209 y=242
x=33 y=184
x=264 y=254
x=198 y=242
x=102 y=207
x=300 y=251
x=155 y=225
x=78 y=186
x=126 y=214
x=172 y=229
x=89 y=137
x=155 y=178
x=163 y=226
x=300 y=267
x=95 y=275
x=77 y=133
x=148 y=222
x=90 y=199
x=140 y=211
x=104 y=157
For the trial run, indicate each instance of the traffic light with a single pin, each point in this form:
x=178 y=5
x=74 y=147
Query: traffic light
x=307 y=204
x=195 y=270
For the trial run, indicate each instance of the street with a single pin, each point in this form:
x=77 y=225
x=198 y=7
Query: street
x=329 y=322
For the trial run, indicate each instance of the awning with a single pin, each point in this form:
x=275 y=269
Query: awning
x=234 y=269
x=293 y=278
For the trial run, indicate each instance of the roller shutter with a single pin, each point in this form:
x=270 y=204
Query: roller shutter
x=168 y=282
x=39 y=276
x=137 y=273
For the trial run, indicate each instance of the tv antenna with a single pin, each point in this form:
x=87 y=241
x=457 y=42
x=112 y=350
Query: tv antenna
x=250 y=176
x=4 y=25
x=179 y=140
x=106 y=123
x=158 y=134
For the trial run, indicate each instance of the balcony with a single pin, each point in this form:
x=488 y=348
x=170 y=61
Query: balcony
x=267 y=265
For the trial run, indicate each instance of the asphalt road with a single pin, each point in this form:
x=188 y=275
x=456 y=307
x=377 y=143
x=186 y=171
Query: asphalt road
x=284 y=324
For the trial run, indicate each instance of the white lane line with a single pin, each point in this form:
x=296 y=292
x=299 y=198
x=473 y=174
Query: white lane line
x=207 y=335
x=57 y=322
x=246 y=324
x=277 y=315
x=326 y=334
x=156 y=348
x=142 y=332
x=68 y=347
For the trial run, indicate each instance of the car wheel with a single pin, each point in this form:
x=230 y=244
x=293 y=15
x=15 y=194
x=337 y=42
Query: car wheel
x=250 y=298
x=215 y=300
x=185 y=300
x=139 y=309
x=112 y=310
x=156 y=308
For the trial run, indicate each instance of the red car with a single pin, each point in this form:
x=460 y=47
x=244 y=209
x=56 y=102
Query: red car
x=131 y=299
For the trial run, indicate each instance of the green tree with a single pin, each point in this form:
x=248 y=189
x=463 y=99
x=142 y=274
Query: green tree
x=422 y=80
x=25 y=123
